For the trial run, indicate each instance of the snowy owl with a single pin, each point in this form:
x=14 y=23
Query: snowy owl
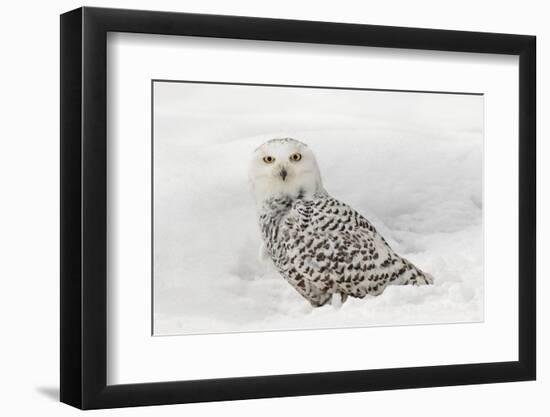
x=324 y=248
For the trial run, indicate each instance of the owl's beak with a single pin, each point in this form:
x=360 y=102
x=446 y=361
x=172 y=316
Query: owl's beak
x=283 y=173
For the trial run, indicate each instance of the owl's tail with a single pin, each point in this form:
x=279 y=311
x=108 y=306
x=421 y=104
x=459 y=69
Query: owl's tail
x=429 y=278
x=411 y=275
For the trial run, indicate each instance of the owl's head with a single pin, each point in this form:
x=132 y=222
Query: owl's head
x=283 y=166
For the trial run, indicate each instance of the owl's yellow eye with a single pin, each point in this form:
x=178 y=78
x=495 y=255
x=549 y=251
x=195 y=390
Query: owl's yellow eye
x=269 y=159
x=295 y=157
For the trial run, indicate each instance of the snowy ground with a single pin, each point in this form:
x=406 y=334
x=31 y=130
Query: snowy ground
x=410 y=162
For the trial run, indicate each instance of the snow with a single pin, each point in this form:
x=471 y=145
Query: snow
x=410 y=162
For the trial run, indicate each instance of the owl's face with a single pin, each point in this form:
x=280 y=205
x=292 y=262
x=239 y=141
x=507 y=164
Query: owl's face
x=283 y=166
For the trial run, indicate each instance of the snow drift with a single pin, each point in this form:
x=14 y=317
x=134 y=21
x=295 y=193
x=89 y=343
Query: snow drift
x=410 y=162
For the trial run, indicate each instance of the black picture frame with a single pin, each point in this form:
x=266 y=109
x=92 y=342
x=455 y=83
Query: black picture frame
x=84 y=207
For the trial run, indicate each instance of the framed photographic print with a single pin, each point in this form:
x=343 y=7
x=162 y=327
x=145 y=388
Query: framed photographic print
x=257 y=207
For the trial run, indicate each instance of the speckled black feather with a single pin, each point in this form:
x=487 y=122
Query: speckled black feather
x=322 y=246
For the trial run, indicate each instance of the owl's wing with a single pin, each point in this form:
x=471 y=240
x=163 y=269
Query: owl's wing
x=332 y=245
x=331 y=219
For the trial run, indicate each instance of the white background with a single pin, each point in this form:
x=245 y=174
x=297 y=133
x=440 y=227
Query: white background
x=134 y=356
x=29 y=230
